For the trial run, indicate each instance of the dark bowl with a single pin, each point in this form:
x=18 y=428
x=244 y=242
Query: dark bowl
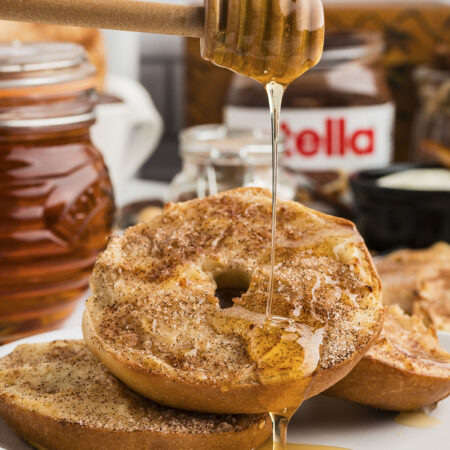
x=393 y=218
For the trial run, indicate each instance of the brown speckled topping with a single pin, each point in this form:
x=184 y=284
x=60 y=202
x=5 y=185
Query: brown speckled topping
x=154 y=300
x=408 y=344
x=63 y=380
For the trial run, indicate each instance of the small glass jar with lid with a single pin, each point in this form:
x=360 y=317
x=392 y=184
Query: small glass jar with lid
x=56 y=197
x=216 y=159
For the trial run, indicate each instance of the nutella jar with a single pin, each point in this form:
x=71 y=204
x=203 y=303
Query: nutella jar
x=336 y=117
x=55 y=193
x=216 y=159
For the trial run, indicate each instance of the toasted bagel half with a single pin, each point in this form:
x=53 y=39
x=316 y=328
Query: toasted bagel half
x=405 y=369
x=432 y=301
x=156 y=319
x=410 y=276
x=58 y=396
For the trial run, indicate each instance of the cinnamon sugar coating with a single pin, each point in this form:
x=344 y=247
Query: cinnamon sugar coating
x=406 y=343
x=62 y=380
x=153 y=298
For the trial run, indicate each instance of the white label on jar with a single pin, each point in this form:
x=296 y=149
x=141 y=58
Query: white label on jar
x=352 y=138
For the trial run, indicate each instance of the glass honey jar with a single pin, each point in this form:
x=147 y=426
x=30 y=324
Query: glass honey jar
x=56 y=198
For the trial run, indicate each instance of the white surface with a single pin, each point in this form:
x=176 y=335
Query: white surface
x=321 y=420
x=444 y=341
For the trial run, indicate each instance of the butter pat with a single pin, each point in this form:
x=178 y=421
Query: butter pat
x=418 y=180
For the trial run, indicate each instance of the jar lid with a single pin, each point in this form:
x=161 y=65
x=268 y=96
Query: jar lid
x=205 y=141
x=45 y=84
x=43 y=64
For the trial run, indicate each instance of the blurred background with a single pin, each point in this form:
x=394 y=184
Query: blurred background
x=168 y=67
x=187 y=91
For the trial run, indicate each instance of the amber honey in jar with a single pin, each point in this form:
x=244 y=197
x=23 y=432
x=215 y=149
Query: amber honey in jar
x=55 y=194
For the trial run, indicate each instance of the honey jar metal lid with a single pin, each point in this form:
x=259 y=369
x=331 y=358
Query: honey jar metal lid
x=42 y=63
x=45 y=84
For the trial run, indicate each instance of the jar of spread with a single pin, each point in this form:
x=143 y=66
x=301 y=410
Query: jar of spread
x=55 y=194
x=337 y=118
x=217 y=159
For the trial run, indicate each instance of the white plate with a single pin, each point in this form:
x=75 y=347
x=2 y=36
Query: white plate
x=444 y=340
x=321 y=420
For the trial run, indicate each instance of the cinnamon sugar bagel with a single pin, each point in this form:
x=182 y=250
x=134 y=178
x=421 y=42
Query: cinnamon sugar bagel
x=59 y=396
x=404 y=370
x=156 y=320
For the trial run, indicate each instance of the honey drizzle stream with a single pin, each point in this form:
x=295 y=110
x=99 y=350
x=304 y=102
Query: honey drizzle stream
x=275 y=94
x=274 y=43
x=279 y=430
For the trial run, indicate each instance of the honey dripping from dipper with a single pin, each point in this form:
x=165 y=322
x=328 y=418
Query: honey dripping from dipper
x=276 y=42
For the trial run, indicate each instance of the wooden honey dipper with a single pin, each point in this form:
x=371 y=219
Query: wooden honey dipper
x=269 y=40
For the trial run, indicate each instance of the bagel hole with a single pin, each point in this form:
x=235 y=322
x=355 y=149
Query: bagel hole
x=230 y=284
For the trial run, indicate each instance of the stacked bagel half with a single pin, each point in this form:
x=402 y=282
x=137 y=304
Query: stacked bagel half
x=406 y=369
x=177 y=322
